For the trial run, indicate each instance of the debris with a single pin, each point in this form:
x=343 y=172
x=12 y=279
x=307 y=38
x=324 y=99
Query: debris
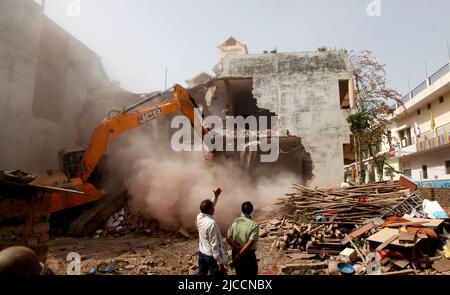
x=110 y=268
x=401 y=263
x=345 y=268
x=406 y=237
x=184 y=233
x=442 y=265
x=400 y=224
x=427 y=222
x=350 y=204
x=446 y=249
x=362 y=230
x=434 y=210
x=19 y=176
x=386 y=234
x=301 y=256
x=359 y=269
x=124 y=221
x=387 y=242
x=348 y=255
x=93 y=271
x=400 y=272
x=332 y=267
x=193 y=270
x=350 y=222
x=361 y=255
x=303 y=266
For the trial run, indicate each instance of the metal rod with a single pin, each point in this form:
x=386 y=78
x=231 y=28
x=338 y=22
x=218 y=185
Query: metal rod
x=165 y=83
x=448 y=51
x=146 y=99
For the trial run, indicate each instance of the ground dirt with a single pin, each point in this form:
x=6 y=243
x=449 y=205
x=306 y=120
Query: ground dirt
x=144 y=254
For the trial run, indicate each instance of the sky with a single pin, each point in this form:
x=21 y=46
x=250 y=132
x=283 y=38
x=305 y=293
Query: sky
x=138 y=39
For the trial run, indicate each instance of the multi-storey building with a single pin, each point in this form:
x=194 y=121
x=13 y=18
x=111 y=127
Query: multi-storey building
x=420 y=149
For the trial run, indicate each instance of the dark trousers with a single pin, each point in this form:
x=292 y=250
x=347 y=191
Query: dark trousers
x=247 y=265
x=207 y=265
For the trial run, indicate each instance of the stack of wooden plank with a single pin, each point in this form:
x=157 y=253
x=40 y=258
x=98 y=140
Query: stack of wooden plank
x=288 y=234
x=351 y=205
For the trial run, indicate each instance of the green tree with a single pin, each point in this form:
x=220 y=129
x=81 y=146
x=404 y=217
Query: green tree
x=369 y=121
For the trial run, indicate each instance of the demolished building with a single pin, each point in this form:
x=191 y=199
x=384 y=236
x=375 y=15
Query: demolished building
x=309 y=92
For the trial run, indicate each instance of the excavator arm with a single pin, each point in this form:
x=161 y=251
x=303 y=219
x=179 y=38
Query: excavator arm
x=126 y=120
x=101 y=137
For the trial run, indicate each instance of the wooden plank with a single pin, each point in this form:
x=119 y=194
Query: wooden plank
x=301 y=255
x=387 y=242
x=362 y=230
x=399 y=272
x=402 y=263
x=382 y=235
x=304 y=266
x=429 y=222
x=442 y=265
x=407 y=183
x=399 y=224
x=407 y=237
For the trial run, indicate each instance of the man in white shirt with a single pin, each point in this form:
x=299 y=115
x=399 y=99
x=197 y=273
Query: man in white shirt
x=211 y=256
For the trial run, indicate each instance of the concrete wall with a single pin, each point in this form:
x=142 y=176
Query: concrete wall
x=49 y=83
x=435 y=162
x=302 y=88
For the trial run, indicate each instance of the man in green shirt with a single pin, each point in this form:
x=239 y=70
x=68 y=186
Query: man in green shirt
x=243 y=235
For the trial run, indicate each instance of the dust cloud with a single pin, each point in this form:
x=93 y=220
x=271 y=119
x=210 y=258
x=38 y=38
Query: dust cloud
x=169 y=186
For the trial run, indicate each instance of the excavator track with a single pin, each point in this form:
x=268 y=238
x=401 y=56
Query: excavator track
x=94 y=217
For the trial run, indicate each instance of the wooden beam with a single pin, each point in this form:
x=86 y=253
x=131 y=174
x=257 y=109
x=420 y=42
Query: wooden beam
x=362 y=230
x=387 y=242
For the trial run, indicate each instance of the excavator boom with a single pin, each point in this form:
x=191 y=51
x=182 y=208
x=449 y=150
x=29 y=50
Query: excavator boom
x=126 y=120
x=105 y=133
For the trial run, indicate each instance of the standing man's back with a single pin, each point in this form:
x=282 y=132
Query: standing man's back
x=211 y=255
x=243 y=235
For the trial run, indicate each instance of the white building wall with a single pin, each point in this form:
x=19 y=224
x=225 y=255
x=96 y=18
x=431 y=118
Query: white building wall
x=435 y=162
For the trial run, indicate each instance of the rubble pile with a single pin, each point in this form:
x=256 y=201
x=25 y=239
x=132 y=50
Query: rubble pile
x=351 y=205
x=378 y=228
x=124 y=222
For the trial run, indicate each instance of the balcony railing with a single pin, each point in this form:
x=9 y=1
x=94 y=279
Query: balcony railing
x=421 y=87
x=440 y=73
x=434 y=138
x=424 y=85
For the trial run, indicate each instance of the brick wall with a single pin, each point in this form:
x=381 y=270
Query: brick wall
x=24 y=218
x=442 y=195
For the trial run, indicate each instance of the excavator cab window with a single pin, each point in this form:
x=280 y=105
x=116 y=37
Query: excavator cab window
x=69 y=161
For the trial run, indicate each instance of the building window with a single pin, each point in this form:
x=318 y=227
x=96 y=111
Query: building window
x=441 y=99
x=424 y=172
x=447 y=167
x=405 y=137
x=418 y=112
x=344 y=94
x=429 y=106
x=407 y=173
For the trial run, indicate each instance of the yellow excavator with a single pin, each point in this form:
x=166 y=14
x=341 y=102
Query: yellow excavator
x=79 y=166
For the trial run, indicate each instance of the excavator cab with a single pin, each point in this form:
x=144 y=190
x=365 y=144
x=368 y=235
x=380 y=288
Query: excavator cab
x=69 y=161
